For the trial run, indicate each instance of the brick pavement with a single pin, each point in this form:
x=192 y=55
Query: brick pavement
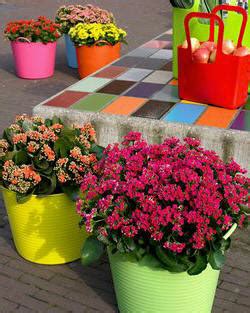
x=26 y=287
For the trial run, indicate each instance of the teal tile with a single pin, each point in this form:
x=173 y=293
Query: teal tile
x=94 y=103
x=90 y=84
x=168 y=94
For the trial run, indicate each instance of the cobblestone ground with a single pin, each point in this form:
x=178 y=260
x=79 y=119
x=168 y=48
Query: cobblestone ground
x=26 y=287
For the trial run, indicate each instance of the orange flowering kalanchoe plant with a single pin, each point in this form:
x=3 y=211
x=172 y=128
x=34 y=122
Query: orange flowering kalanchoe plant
x=44 y=157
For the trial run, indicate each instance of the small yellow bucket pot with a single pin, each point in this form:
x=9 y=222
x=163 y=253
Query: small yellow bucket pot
x=45 y=229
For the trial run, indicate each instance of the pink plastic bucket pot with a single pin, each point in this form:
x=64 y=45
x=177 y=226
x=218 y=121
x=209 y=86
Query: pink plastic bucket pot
x=34 y=60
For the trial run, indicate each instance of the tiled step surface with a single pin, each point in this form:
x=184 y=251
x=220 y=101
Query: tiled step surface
x=141 y=84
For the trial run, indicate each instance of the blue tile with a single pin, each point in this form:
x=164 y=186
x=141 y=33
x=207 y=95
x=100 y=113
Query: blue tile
x=184 y=113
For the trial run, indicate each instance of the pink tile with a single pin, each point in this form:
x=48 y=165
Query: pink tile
x=157 y=44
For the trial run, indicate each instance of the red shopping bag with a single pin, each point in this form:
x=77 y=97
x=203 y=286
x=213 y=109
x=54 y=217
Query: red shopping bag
x=223 y=83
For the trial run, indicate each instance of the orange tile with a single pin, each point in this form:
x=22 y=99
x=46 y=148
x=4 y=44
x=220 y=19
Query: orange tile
x=217 y=117
x=173 y=82
x=124 y=105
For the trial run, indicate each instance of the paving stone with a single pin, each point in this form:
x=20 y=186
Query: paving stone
x=235 y=289
x=34 y=269
x=230 y=306
x=243 y=300
x=14 y=285
x=44 y=284
x=234 y=278
x=3 y=259
x=6 y=306
x=23 y=309
x=9 y=271
x=60 y=301
x=15 y=294
x=56 y=310
x=226 y=295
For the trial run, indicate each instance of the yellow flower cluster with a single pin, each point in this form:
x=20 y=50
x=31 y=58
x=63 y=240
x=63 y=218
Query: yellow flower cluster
x=88 y=34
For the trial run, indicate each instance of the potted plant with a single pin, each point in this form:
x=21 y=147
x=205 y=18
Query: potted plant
x=165 y=212
x=33 y=44
x=96 y=45
x=42 y=164
x=69 y=16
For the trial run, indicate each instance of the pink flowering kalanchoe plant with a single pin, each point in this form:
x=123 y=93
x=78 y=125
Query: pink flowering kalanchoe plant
x=70 y=15
x=172 y=201
x=43 y=157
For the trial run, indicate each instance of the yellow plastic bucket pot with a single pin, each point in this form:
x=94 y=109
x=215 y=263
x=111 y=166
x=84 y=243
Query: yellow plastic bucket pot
x=45 y=230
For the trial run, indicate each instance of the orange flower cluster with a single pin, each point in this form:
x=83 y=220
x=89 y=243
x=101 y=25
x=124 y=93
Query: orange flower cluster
x=75 y=167
x=39 y=148
x=3 y=147
x=20 y=178
x=19 y=138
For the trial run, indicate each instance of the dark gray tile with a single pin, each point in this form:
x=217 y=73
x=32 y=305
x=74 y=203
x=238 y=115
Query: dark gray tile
x=154 y=109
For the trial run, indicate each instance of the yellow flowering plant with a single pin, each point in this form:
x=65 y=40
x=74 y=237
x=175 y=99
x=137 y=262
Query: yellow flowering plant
x=96 y=34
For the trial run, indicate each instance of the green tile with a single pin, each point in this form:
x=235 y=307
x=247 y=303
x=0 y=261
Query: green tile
x=90 y=84
x=94 y=103
x=247 y=106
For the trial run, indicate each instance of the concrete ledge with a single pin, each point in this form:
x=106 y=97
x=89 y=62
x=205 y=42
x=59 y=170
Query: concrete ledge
x=111 y=128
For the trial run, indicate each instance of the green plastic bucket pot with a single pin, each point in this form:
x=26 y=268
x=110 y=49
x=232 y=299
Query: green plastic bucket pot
x=144 y=288
x=201 y=31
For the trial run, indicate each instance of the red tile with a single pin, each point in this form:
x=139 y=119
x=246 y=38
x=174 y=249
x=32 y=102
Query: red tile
x=111 y=72
x=66 y=99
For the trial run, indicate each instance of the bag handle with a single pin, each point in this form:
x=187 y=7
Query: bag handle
x=24 y=39
x=237 y=9
x=230 y=231
x=214 y=18
x=102 y=41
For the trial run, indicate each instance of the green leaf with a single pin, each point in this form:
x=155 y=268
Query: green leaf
x=169 y=261
x=97 y=150
x=55 y=120
x=216 y=259
x=140 y=253
x=149 y=259
x=103 y=239
x=20 y=157
x=48 y=122
x=10 y=155
x=199 y=266
x=27 y=125
x=22 y=198
x=65 y=142
x=225 y=244
x=71 y=191
x=40 y=164
x=47 y=185
x=7 y=135
x=130 y=244
x=120 y=246
x=92 y=251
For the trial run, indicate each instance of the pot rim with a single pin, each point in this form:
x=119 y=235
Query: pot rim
x=39 y=43
x=3 y=189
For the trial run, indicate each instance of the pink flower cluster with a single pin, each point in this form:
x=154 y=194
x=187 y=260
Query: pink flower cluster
x=70 y=15
x=176 y=195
